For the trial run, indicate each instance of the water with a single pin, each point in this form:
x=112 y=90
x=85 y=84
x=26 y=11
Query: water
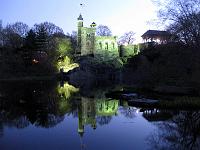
x=47 y=115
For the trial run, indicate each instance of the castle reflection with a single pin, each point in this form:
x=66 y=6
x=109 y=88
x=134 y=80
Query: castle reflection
x=47 y=104
x=90 y=111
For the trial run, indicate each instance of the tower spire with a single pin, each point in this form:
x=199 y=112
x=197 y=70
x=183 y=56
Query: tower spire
x=80 y=17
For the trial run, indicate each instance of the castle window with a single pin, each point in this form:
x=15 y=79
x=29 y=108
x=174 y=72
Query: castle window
x=88 y=35
x=113 y=45
x=100 y=45
x=106 y=46
x=88 y=44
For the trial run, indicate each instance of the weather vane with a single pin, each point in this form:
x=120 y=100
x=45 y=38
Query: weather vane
x=81 y=6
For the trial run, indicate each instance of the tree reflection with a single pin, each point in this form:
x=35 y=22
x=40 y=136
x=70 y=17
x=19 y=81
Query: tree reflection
x=39 y=103
x=181 y=132
x=49 y=121
x=128 y=112
x=102 y=120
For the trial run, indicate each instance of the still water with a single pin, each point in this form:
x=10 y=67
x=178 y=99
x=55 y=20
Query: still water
x=52 y=116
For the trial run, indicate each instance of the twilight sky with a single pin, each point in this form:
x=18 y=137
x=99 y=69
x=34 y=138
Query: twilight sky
x=119 y=15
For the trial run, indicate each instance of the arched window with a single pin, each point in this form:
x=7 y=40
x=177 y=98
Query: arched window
x=106 y=47
x=100 y=45
x=113 y=45
x=88 y=44
x=88 y=35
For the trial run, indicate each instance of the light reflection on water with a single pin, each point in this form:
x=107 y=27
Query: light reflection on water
x=47 y=115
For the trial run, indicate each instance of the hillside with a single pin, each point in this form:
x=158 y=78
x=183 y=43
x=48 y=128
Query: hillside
x=164 y=65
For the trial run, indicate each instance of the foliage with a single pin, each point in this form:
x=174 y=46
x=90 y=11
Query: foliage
x=34 y=52
x=103 y=30
x=64 y=52
x=64 y=47
x=30 y=40
x=170 y=64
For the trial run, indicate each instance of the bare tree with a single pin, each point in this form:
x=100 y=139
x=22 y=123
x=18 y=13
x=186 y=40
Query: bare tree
x=127 y=38
x=1 y=26
x=19 y=28
x=103 y=30
x=128 y=112
x=180 y=132
x=1 y=34
x=183 y=19
x=103 y=120
x=13 y=34
x=73 y=37
x=46 y=32
x=50 y=28
x=11 y=39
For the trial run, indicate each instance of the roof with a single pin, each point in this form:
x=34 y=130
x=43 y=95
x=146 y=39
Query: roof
x=156 y=33
x=80 y=17
x=93 y=24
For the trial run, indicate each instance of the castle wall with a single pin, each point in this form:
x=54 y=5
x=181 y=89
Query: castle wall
x=129 y=50
x=106 y=47
x=87 y=40
x=99 y=46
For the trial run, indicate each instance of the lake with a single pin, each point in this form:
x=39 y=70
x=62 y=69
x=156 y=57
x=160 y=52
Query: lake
x=58 y=116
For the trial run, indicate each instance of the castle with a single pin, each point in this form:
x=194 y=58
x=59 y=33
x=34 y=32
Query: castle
x=89 y=109
x=90 y=44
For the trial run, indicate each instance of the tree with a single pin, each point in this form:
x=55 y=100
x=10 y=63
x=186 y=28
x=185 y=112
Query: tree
x=42 y=38
x=45 y=34
x=74 y=39
x=127 y=38
x=29 y=47
x=1 y=26
x=64 y=47
x=1 y=34
x=103 y=30
x=183 y=17
x=103 y=120
x=180 y=132
x=30 y=40
x=50 y=28
x=19 y=28
x=128 y=112
x=13 y=35
x=11 y=39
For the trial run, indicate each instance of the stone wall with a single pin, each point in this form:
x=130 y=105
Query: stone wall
x=87 y=41
x=129 y=50
x=106 y=47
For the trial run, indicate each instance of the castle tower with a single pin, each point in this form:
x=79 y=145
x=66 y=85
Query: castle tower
x=80 y=25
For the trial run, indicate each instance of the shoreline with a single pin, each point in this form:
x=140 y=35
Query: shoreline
x=28 y=78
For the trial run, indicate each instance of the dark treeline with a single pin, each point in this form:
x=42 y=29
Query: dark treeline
x=32 y=51
x=177 y=62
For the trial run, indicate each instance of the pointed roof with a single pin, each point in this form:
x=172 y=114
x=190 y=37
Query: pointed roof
x=80 y=17
x=93 y=24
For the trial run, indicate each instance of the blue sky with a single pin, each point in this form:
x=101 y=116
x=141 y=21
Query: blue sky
x=119 y=15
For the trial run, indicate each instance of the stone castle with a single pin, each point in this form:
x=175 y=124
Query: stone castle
x=90 y=44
